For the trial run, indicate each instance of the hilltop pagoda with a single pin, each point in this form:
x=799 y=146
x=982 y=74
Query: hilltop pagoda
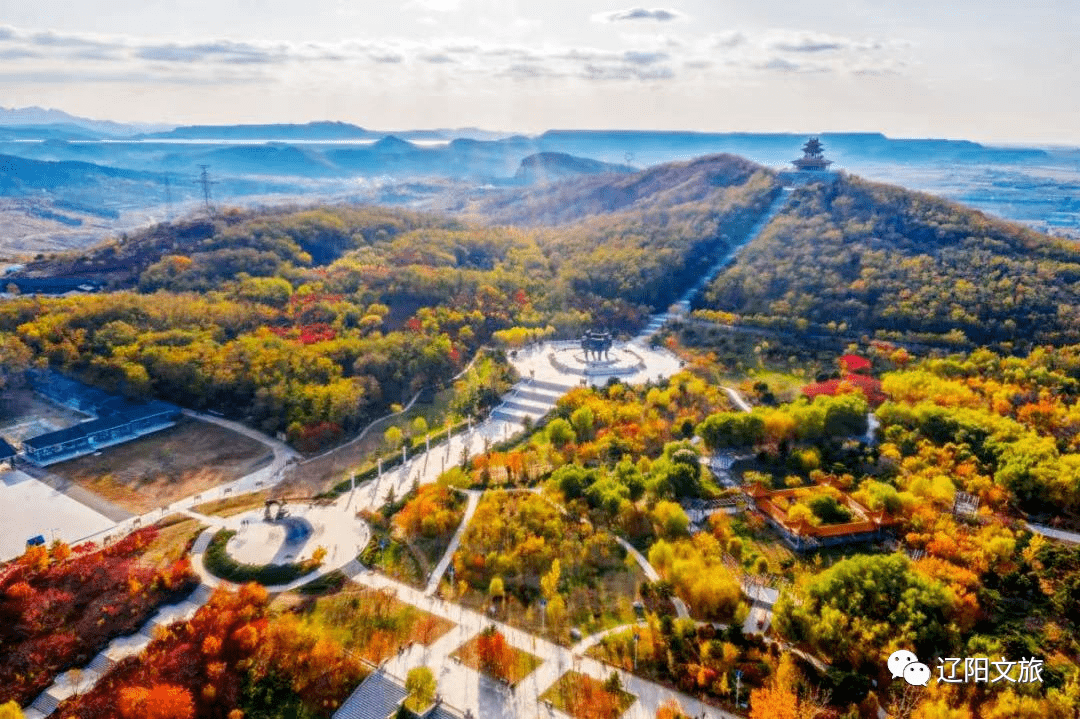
x=813 y=159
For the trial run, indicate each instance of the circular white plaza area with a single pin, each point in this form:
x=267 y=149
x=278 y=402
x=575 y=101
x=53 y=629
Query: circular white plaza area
x=566 y=363
x=295 y=537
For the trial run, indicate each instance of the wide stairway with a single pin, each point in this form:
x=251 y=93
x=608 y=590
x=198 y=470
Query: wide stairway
x=529 y=398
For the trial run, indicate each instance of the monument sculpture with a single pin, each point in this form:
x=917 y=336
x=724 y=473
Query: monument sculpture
x=596 y=345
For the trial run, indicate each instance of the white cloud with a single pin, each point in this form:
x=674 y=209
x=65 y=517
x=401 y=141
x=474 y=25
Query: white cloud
x=636 y=58
x=811 y=42
x=638 y=13
x=435 y=5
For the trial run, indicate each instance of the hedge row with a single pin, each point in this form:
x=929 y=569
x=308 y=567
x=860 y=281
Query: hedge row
x=220 y=564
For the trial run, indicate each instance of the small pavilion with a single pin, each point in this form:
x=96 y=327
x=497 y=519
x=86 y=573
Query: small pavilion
x=813 y=159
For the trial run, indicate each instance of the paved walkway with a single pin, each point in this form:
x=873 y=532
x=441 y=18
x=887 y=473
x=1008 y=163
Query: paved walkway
x=1058 y=534
x=593 y=639
x=737 y=399
x=468 y=689
x=79 y=681
x=777 y=206
x=448 y=555
x=653 y=575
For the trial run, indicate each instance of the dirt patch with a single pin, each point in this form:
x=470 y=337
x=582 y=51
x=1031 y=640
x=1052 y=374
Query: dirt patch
x=160 y=468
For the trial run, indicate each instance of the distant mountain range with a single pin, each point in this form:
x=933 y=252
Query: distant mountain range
x=326 y=160
x=35 y=116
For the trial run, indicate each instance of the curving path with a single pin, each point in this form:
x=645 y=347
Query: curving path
x=1058 y=534
x=653 y=575
x=737 y=399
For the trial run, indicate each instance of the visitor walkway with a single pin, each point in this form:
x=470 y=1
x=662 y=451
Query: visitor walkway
x=448 y=555
x=466 y=688
x=1058 y=534
x=653 y=575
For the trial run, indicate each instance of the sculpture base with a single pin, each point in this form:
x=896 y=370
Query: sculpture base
x=617 y=362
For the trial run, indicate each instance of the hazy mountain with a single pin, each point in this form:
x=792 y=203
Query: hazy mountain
x=554 y=166
x=655 y=188
x=19 y=176
x=42 y=116
x=312 y=131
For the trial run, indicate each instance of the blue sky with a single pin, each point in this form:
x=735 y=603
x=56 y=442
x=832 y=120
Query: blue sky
x=985 y=70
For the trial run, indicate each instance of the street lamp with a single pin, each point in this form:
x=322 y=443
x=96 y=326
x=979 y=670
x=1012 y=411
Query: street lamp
x=637 y=638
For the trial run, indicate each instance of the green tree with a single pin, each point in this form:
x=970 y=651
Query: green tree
x=857 y=608
x=560 y=433
x=421 y=686
x=582 y=422
x=394 y=437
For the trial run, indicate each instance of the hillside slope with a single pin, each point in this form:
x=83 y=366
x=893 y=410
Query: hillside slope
x=664 y=186
x=882 y=260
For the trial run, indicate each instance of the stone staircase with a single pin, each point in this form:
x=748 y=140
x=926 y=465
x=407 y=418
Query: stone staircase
x=530 y=399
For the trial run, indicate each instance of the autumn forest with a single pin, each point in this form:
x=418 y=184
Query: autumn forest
x=871 y=444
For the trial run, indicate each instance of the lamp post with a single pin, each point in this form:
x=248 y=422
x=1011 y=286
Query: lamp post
x=637 y=638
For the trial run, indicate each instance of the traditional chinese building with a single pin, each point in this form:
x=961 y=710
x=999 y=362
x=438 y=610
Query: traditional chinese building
x=813 y=159
x=802 y=536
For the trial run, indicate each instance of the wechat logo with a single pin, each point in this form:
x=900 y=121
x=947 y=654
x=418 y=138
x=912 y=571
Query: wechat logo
x=903 y=663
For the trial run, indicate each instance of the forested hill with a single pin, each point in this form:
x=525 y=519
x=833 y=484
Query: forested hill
x=313 y=321
x=855 y=256
x=703 y=180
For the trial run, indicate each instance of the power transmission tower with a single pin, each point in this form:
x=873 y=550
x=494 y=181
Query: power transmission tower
x=204 y=180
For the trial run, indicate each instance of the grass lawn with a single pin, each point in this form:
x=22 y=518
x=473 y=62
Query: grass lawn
x=372 y=623
x=581 y=696
x=505 y=662
x=228 y=506
x=176 y=533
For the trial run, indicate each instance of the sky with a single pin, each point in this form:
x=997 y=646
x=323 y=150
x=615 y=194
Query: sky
x=987 y=70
